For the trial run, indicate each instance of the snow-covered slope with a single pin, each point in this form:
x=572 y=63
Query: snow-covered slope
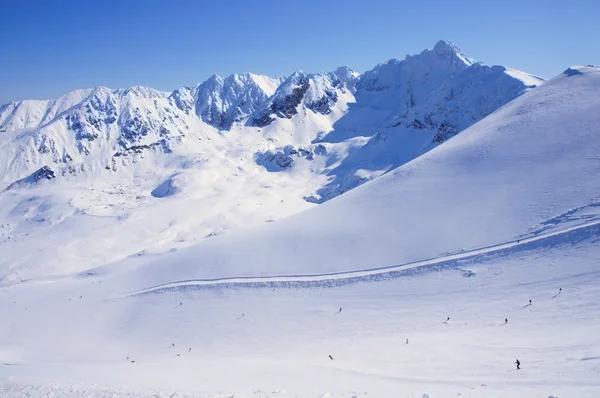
x=406 y=108
x=493 y=183
x=29 y=114
x=501 y=223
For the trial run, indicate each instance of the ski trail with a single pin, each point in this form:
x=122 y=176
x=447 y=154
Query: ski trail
x=346 y=277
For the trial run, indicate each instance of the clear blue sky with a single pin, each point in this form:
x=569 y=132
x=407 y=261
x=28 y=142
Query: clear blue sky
x=51 y=47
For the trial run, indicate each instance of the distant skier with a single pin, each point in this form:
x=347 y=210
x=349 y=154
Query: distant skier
x=406 y=341
x=190 y=350
x=240 y=317
x=338 y=311
x=505 y=321
x=518 y=364
x=446 y=321
x=559 y=290
x=173 y=344
x=530 y=302
x=330 y=357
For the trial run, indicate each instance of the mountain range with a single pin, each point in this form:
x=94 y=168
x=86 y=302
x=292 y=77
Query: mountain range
x=299 y=140
x=413 y=230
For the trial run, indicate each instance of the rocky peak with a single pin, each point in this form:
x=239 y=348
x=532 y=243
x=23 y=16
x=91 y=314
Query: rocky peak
x=221 y=102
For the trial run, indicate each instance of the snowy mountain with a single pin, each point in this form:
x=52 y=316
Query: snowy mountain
x=399 y=110
x=235 y=152
x=491 y=175
x=221 y=102
x=430 y=280
x=316 y=92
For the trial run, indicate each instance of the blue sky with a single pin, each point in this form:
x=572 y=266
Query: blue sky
x=51 y=47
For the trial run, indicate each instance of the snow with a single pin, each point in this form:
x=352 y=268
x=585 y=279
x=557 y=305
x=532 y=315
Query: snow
x=433 y=195
x=196 y=256
x=267 y=84
x=284 y=338
x=529 y=80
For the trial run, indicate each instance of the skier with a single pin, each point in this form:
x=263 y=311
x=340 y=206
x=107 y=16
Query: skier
x=406 y=341
x=559 y=290
x=173 y=344
x=505 y=321
x=518 y=364
x=330 y=357
x=338 y=311
x=190 y=350
x=447 y=320
x=529 y=301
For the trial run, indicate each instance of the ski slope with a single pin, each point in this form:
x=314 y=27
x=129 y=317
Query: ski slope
x=501 y=214
x=374 y=274
x=279 y=346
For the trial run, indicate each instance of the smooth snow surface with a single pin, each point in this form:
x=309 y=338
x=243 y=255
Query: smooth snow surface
x=405 y=281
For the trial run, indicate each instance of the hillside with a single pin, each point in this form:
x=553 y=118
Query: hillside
x=498 y=181
x=429 y=281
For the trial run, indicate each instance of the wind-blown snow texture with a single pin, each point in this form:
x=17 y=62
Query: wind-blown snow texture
x=120 y=276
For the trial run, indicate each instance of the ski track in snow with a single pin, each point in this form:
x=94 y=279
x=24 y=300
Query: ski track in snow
x=374 y=274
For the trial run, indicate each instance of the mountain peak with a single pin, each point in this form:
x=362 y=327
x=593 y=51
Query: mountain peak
x=345 y=73
x=446 y=48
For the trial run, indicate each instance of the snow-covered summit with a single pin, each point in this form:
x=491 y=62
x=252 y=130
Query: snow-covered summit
x=345 y=74
x=221 y=102
x=447 y=49
x=316 y=92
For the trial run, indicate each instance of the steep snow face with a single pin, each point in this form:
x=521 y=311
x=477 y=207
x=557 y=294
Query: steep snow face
x=417 y=75
x=31 y=114
x=464 y=99
x=221 y=102
x=284 y=103
x=412 y=92
x=345 y=74
x=317 y=92
x=408 y=107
